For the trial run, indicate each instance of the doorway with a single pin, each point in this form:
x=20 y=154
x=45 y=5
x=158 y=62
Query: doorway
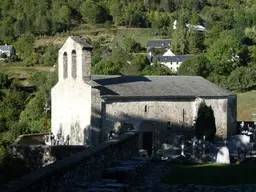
x=147 y=142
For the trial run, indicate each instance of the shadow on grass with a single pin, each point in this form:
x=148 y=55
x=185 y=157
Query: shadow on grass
x=212 y=174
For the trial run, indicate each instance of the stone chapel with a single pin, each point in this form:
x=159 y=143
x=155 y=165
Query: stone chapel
x=86 y=107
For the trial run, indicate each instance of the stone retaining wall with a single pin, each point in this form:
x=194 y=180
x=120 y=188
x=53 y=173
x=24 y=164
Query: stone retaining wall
x=31 y=148
x=37 y=156
x=83 y=166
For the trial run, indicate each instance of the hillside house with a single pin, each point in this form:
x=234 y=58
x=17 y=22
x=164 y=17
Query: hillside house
x=160 y=43
x=7 y=49
x=169 y=59
x=87 y=107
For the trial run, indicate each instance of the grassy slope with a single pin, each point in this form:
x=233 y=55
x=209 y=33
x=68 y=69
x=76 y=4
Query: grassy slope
x=246 y=106
x=111 y=35
x=212 y=174
x=16 y=70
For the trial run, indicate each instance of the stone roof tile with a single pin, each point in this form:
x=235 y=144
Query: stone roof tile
x=158 y=86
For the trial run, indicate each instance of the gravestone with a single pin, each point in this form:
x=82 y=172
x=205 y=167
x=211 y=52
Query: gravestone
x=241 y=142
x=223 y=156
x=166 y=146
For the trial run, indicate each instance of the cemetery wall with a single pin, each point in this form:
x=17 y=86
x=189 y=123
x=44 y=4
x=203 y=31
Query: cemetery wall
x=36 y=156
x=83 y=166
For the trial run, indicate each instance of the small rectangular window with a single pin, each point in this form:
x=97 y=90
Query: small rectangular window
x=168 y=125
x=146 y=109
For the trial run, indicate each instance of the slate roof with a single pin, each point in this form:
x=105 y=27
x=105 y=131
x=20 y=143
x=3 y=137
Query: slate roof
x=176 y=58
x=81 y=41
x=6 y=47
x=159 y=43
x=156 y=86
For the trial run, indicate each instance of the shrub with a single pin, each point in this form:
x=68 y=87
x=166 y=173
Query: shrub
x=205 y=123
x=3 y=55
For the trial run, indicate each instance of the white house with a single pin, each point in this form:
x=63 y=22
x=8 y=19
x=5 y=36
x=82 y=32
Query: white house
x=7 y=49
x=169 y=59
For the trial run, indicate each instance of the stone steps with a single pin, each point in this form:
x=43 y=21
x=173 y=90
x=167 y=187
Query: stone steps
x=118 y=177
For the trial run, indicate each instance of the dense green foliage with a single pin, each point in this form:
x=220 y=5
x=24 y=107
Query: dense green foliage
x=21 y=113
x=228 y=43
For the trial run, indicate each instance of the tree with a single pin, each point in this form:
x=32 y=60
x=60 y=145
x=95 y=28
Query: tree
x=221 y=50
x=42 y=24
x=205 y=123
x=65 y=15
x=251 y=33
x=196 y=66
x=3 y=55
x=242 y=79
x=4 y=81
x=167 y=5
x=131 y=46
x=24 y=46
x=134 y=14
x=195 y=41
x=156 y=69
x=107 y=67
x=92 y=12
x=33 y=116
x=12 y=105
x=136 y=66
x=179 y=39
x=50 y=56
x=120 y=56
x=160 y=21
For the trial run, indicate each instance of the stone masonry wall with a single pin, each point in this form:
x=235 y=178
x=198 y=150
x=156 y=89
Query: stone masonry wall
x=37 y=156
x=87 y=165
x=178 y=113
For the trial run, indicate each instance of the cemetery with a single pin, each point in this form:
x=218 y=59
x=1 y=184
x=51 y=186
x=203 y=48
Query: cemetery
x=198 y=161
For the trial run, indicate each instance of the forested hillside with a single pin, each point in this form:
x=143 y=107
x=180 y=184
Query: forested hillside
x=226 y=49
x=225 y=53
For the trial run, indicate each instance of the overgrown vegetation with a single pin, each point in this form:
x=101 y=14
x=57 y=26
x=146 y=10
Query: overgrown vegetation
x=21 y=113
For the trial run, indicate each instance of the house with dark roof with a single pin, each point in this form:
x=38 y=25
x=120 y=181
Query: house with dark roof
x=159 y=43
x=169 y=59
x=86 y=108
x=7 y=49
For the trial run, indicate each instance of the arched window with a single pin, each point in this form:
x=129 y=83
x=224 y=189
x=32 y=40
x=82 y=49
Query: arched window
x=74 y=68
x=65 y=65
